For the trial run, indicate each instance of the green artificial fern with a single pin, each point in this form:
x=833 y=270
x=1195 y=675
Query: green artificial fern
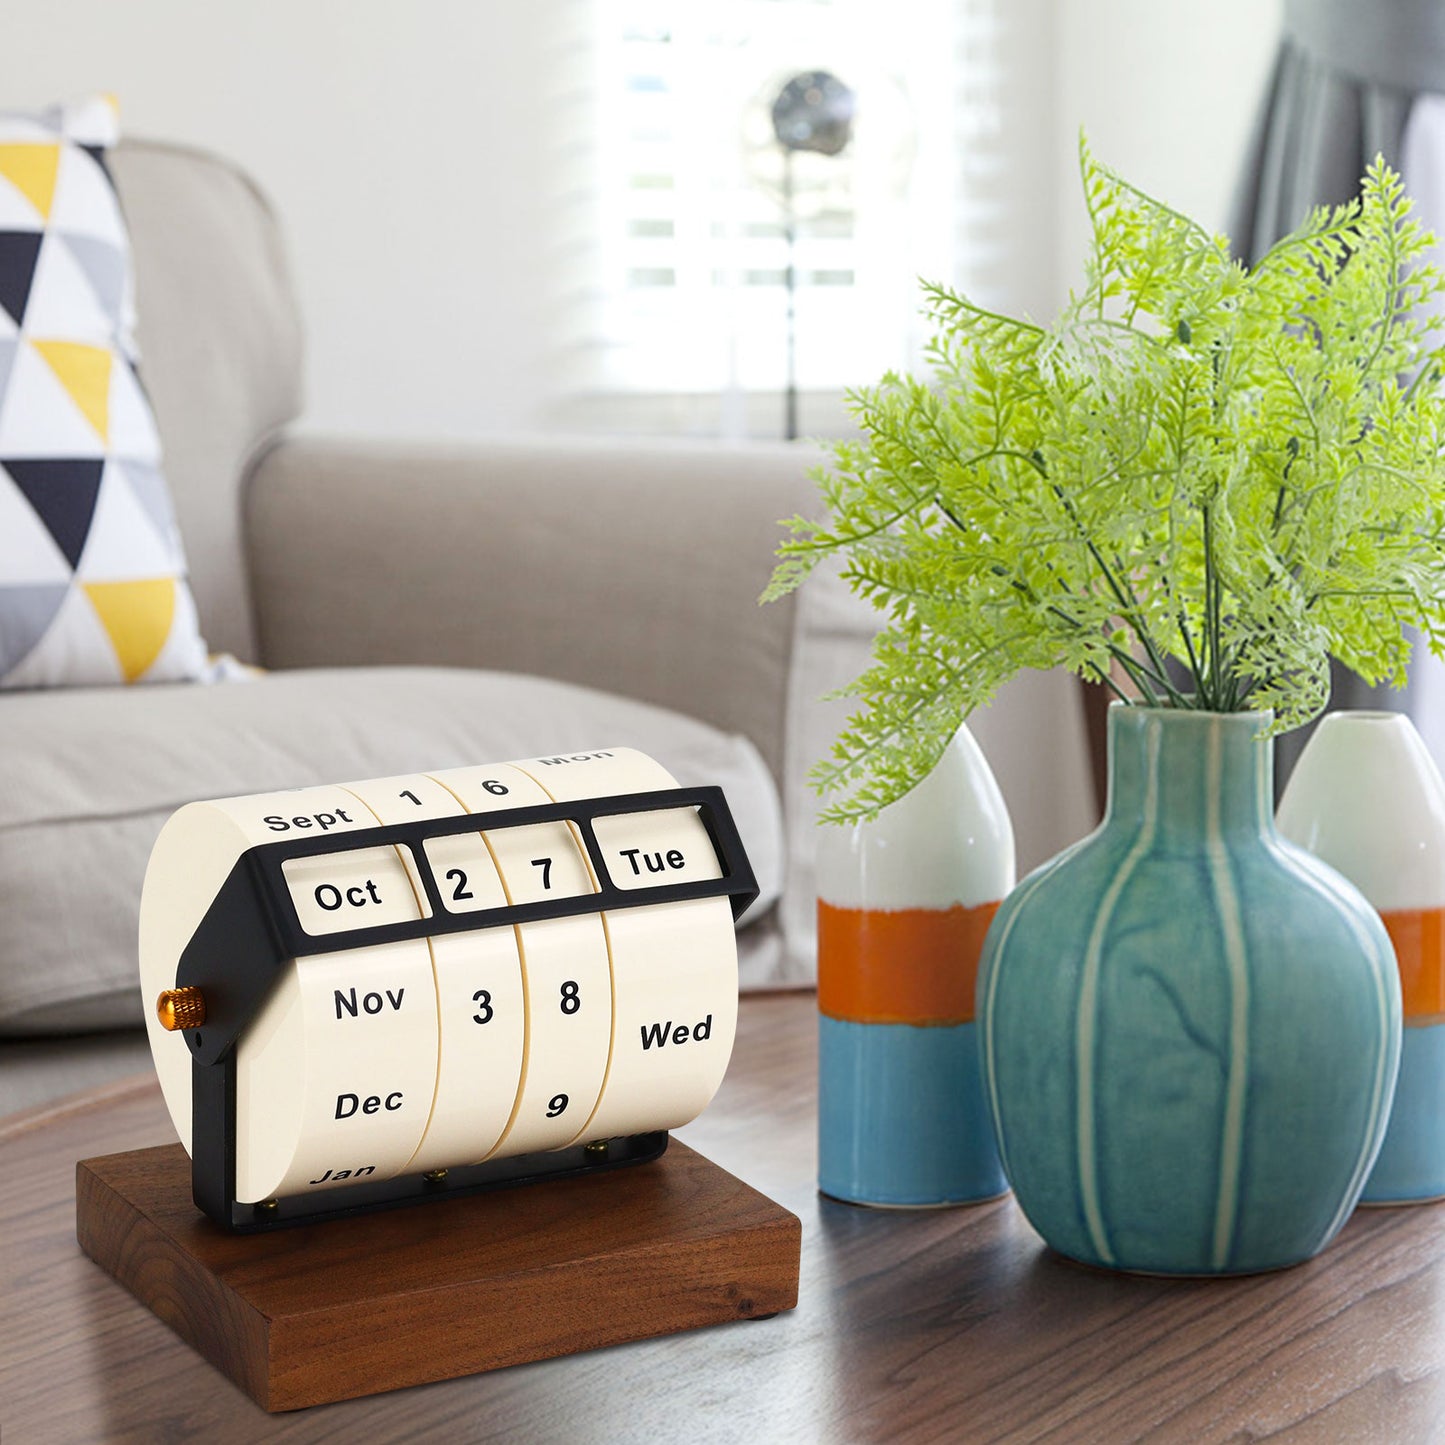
x=1237 y=469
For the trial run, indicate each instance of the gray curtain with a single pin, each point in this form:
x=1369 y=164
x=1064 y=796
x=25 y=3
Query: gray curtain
x=1340 y=93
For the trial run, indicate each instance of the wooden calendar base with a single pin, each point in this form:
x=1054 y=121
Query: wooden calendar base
x=357 y=1306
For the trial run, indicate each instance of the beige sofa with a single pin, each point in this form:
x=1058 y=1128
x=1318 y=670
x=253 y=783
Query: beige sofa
x=421 y=608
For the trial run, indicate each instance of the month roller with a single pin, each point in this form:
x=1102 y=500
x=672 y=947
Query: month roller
x=336 y=1077
x=505 y=967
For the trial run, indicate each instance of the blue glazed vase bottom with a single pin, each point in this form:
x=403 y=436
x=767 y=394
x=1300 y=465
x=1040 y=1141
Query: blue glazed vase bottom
x=1401 y=1203
x=902 y=1118
x=1410 y=1168
x=882 y=1204
x=1114 y=1269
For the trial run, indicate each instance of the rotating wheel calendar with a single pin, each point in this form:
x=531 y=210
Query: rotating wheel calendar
x=420 y=990
x=405 y=977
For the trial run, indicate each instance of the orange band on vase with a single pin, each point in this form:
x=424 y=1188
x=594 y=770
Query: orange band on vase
x=900 y=965
x=1419 y=938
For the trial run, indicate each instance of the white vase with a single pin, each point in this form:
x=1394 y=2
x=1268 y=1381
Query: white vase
x=1367 y=798
x=904 y=903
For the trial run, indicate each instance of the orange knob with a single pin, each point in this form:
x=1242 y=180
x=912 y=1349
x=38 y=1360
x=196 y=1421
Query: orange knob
x=181 y=1008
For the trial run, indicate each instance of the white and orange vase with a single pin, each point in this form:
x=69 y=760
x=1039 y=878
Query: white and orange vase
x=904 y=904
x=1367 y=798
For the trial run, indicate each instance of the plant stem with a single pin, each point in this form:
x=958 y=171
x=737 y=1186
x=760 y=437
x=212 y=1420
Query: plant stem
x=1189 y=645
x=1129 y=606
x=1211 y=685
x=1140 y=674
x=1101 y=675
x=1137 y=673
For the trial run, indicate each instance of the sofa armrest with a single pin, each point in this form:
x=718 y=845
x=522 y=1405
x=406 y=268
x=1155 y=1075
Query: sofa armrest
x=627 y=567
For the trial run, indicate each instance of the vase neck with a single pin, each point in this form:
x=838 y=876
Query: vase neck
x=1190 y=775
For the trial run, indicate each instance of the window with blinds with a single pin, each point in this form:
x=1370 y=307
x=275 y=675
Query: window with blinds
x=690 y=237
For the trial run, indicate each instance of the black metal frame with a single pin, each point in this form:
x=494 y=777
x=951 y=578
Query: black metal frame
x=251 y=931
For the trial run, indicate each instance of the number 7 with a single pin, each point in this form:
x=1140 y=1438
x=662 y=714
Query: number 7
x=545 y=864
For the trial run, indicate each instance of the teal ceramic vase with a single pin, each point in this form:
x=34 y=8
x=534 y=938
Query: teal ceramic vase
x=1190 y=1028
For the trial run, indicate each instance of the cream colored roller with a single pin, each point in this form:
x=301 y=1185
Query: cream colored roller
x=335 y=1076
x=674 y=965
x=565 y=968
x=481 y=1015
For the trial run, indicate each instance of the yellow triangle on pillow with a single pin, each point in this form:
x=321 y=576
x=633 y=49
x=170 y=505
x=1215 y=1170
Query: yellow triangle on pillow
x=31 y=168
x=84 y=372
x=137 y=618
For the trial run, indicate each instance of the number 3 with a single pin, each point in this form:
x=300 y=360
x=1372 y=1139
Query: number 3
x=483 y=998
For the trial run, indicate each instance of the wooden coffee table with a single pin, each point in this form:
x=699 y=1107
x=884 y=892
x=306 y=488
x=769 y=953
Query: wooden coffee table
x=929 y=1325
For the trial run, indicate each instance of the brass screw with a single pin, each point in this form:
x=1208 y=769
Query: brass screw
x=265 y=1205
x=434 y=1176
x=596 y=1147
x=181 y=1008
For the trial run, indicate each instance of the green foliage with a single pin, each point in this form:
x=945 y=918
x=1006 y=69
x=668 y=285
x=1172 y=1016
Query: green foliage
x=1239 y=470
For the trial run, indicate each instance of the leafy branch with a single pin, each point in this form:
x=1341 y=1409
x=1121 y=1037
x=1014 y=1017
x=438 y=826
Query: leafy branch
x=1198 y=472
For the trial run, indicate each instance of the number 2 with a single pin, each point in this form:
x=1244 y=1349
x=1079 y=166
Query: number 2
x=461 y=891
x=545 y=864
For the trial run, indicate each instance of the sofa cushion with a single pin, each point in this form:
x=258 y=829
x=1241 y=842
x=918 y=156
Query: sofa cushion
x=92 y=578
x=88 y=776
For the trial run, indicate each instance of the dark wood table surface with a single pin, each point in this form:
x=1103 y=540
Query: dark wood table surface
x=950 y=1325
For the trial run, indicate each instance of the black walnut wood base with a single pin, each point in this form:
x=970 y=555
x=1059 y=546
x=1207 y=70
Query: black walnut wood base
x=330 y=1311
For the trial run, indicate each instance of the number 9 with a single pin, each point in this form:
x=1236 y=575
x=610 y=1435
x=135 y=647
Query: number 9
x=555 y=1105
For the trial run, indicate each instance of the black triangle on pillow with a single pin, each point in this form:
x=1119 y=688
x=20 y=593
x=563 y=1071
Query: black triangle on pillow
x=19 y=251
x=97 y=154
x=63 y=492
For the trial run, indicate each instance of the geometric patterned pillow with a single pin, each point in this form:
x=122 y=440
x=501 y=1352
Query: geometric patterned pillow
x=92 y=575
